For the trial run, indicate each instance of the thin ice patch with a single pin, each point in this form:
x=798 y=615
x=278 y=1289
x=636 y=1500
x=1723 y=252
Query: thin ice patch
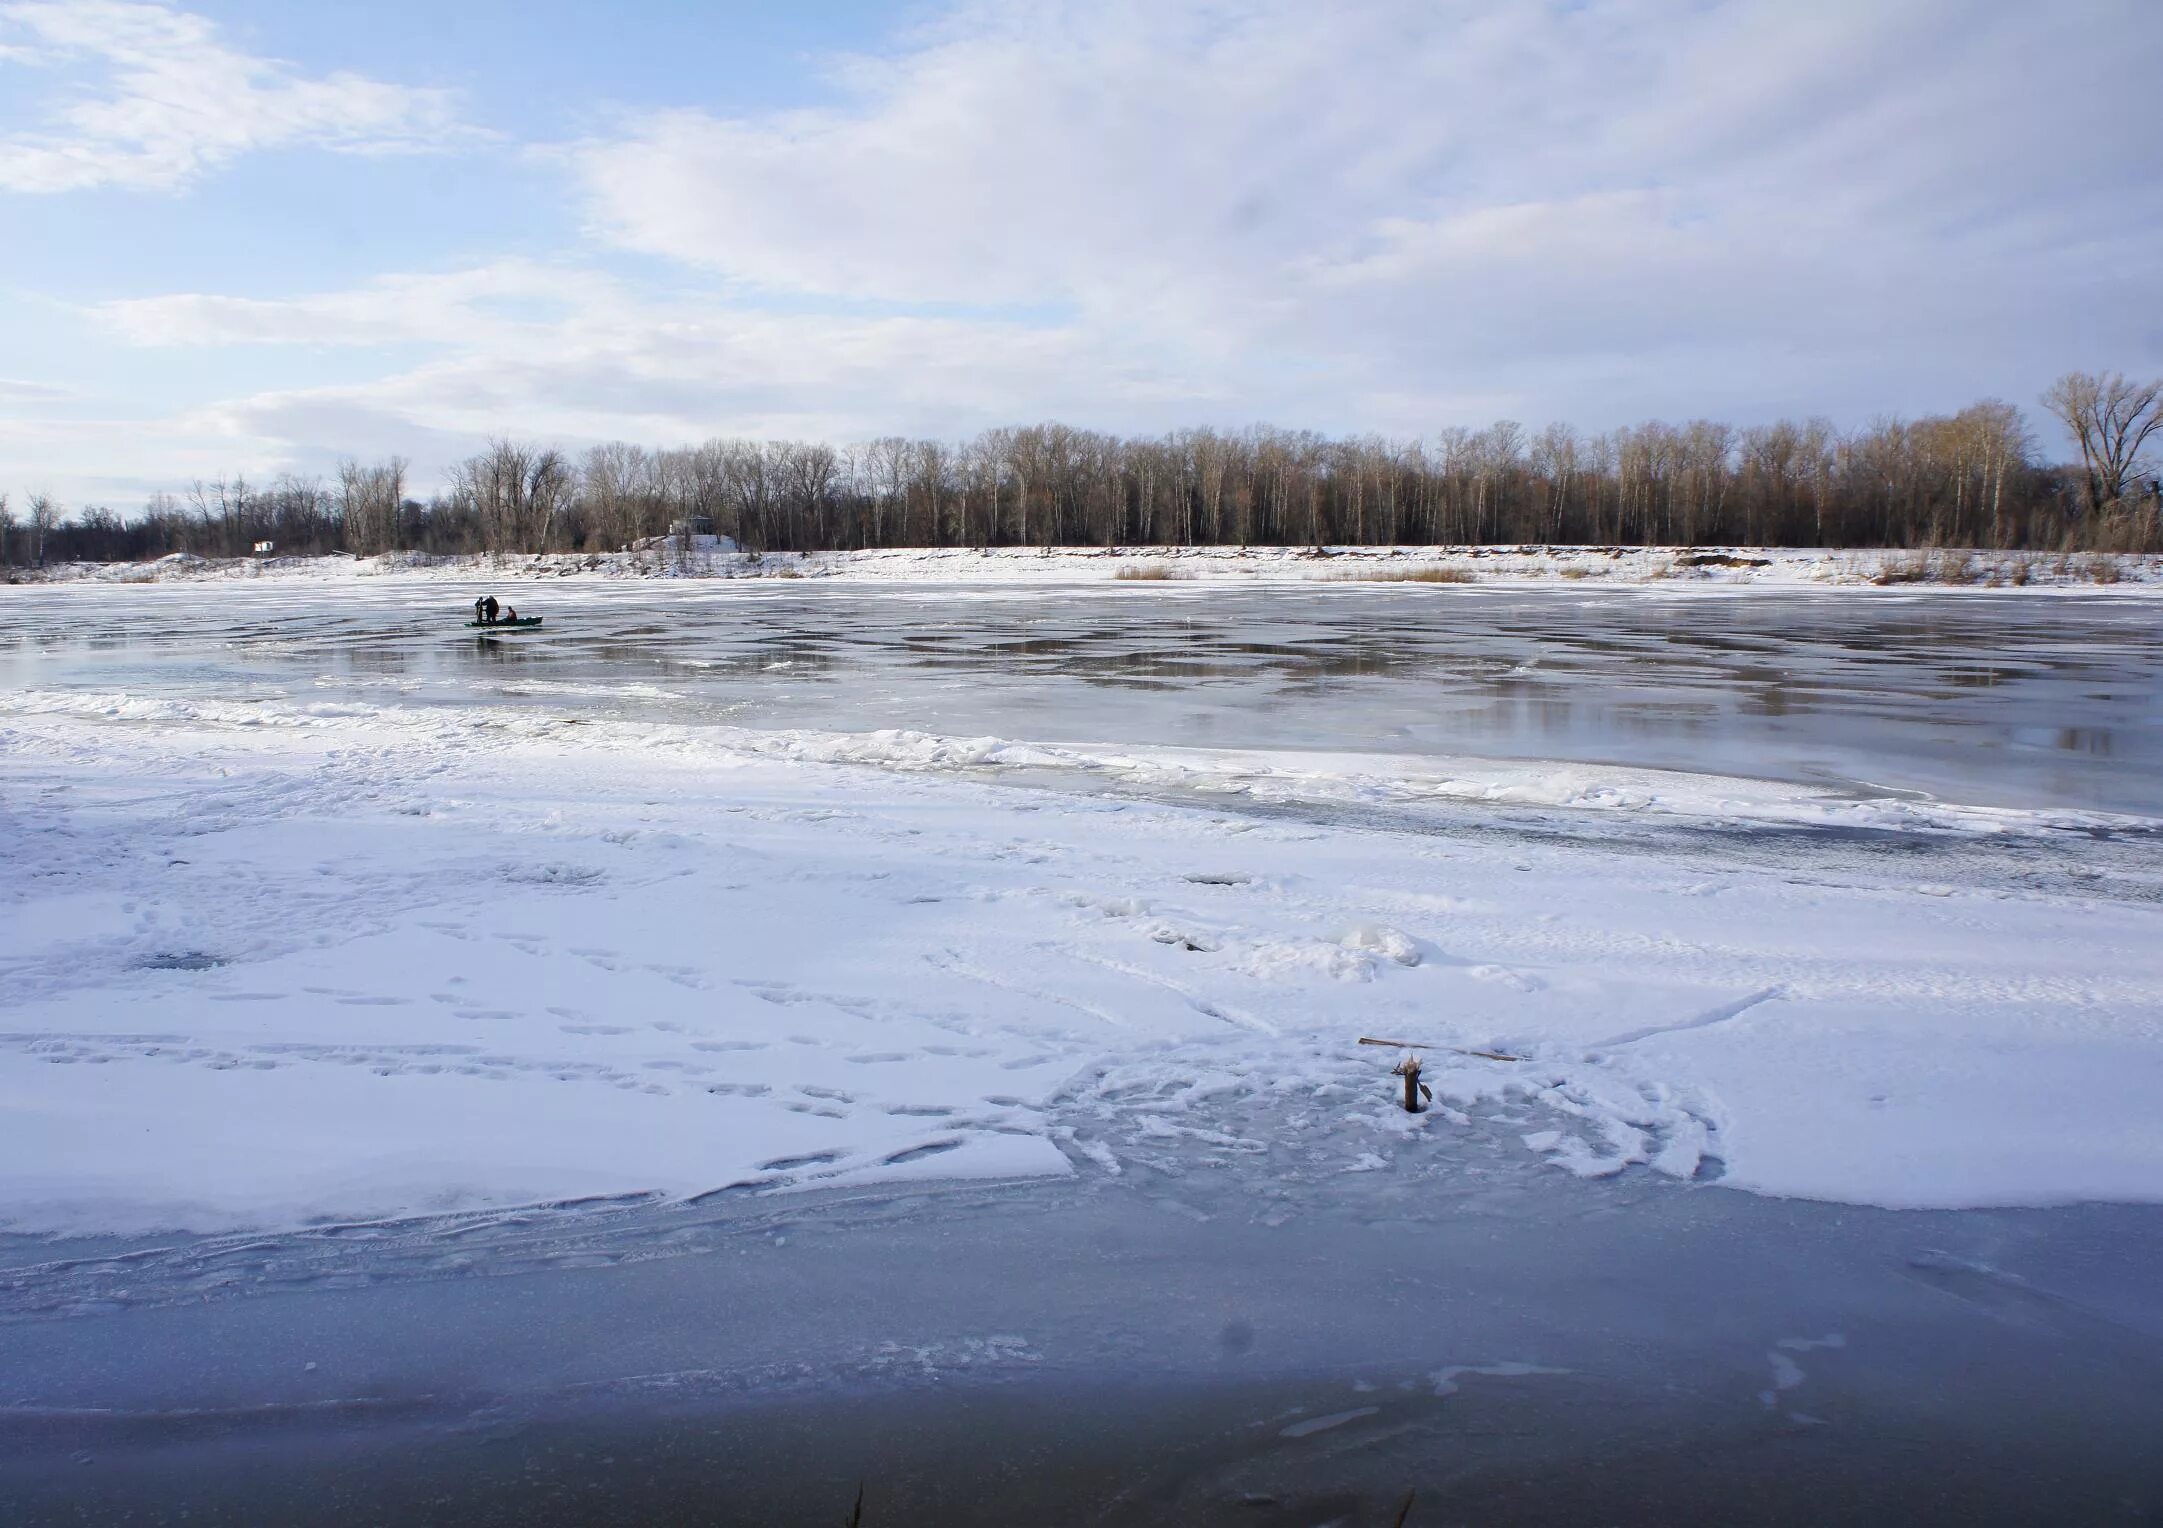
x=180 y=960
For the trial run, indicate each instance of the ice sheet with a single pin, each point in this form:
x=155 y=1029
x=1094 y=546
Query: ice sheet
x=272 y=960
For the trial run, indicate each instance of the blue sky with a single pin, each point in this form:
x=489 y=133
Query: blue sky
x=257 y=236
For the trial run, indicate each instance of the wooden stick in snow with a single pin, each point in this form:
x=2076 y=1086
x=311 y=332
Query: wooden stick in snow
x=1408 y=1069
x=1455 y=1050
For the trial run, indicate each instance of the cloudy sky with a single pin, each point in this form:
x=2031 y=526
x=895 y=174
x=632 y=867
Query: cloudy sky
x=254 y=235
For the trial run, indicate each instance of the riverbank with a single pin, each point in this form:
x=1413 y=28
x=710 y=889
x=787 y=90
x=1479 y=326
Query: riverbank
x=1777 y=567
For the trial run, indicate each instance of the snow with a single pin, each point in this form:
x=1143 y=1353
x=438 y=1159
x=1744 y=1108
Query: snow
x=271 y=960
x=1288 y=776
x=1583 y=567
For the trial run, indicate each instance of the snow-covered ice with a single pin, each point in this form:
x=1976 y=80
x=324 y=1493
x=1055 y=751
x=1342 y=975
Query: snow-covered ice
x=297 y=951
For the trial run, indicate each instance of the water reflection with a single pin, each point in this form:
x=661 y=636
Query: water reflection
x=2015 y=700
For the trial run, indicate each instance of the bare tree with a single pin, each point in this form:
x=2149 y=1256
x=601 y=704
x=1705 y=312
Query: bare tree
x=7 y=531
x=694 y=484
x=1966 y=479
x=516 y=491
x=808 y=470
x=2111 y=420
x=369 y=499
x=1027 y=460
x=1554 y=461
x=44 y=518
x=751 y=482
x=621 y=487
x=887 y=465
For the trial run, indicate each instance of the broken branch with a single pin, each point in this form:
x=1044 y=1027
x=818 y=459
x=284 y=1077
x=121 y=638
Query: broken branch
x=1455 y=1050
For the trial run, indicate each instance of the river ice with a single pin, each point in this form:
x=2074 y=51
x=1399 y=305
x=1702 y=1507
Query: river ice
x=322 y=909
x=746 y=1048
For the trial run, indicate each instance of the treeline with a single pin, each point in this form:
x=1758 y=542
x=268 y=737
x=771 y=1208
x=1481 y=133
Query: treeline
x=1966 y=479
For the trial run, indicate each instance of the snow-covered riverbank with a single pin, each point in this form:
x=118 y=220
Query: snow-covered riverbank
x=1783 y=567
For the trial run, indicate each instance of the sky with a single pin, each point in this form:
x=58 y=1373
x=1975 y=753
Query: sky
x=252 y=236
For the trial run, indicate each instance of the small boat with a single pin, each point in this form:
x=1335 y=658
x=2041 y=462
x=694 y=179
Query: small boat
x=524 y=620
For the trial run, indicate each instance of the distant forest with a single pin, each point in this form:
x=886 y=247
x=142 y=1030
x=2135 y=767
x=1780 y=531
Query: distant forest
x=1971 y=479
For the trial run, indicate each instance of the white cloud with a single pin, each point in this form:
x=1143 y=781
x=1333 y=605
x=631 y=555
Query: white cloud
x=1372 y=215
x=118 y=458
x=479 y=306
x=174 y=103
x=576 y=355
x=17 y=391
x=1406 y=197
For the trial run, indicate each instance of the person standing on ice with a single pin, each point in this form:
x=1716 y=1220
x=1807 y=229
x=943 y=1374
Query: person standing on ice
x=480 y=610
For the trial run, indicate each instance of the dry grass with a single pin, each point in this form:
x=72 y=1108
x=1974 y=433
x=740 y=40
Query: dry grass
x=1576 y=573
x=1151 y=572
x=1408 y=576
x=2015 y=569
x=1910 y=568
x=1958 y=568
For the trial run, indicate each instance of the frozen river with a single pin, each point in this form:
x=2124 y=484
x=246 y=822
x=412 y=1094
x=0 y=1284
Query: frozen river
x=1996 y=699
x=656 y=1068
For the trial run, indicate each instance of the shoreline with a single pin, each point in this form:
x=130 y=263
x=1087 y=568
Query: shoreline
x=1507 y=565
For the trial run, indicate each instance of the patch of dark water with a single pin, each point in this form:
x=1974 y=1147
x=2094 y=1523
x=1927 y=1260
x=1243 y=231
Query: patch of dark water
x=180 y=960
x=1160 y=1347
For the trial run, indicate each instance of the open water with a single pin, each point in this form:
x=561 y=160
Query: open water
x=1994 y=698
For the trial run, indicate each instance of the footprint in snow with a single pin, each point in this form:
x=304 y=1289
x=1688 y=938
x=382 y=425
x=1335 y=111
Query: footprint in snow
x=808 y=1159
x=1505 y=977
x=1196 y=943
x=918 y=1153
